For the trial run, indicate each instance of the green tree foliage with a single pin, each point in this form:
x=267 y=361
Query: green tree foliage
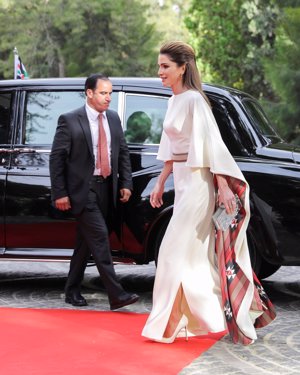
x=75 y=38
x=283 y=71
x=215 y=35
x=231 y=38
x=168 y=16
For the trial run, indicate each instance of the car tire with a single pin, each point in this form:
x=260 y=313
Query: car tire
x=260 y=266
x=267 y=269
x=255 y=257
x=160 y=235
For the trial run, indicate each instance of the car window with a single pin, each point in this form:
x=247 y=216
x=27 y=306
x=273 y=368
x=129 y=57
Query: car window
x=144 y=116
x=43 y=109
x=5 y=107
x=229 y=125
x=259 y=119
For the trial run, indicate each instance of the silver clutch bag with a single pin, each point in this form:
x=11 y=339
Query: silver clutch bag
x=222 y=219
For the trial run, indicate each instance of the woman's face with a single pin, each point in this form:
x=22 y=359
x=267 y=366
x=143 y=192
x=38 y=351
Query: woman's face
x=169 y=72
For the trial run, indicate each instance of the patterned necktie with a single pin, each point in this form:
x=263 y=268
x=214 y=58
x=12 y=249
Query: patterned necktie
x=102 y=155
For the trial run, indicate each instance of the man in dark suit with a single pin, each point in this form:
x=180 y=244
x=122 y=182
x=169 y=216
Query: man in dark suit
x=86 y=178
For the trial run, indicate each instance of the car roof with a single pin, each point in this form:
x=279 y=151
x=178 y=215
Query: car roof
x=138 y=82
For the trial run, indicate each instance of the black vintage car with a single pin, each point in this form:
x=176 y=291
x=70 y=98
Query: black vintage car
x=32 y=229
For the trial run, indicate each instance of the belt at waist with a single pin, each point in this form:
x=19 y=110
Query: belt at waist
x=179 y=157
x=101 y=179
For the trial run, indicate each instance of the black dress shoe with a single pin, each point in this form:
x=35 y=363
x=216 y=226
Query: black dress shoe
x=75 y=299
x=124 y=300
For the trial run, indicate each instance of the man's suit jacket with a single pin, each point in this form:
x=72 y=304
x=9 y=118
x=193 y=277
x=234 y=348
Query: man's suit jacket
x=72 y=161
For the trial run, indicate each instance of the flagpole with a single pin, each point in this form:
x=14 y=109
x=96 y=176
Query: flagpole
x=16 y=53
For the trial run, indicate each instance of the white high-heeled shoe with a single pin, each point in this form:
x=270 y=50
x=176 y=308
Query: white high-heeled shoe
x=181 y=325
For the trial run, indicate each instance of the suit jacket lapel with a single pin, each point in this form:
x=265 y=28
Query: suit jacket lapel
x=84 y=123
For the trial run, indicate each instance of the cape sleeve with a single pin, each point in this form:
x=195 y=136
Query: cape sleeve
x=164 y=150
x=207 y=148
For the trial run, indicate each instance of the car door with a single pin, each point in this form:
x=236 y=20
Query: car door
x=143 y=117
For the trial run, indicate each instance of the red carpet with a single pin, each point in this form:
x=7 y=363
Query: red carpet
x=63 y=342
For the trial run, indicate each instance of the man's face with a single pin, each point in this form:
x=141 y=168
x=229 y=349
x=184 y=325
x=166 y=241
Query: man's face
x=100 y=98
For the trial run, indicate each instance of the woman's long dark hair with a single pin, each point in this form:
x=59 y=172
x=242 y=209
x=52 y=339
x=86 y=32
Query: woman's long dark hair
x=183 y=54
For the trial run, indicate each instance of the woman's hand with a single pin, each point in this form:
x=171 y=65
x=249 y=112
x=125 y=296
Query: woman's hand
x=156 y=200
x=225 y=195
x=227 y=198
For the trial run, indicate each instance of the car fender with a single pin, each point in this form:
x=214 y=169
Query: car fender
x=156 y=232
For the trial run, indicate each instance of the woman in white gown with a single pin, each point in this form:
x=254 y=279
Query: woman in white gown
x=202 y=284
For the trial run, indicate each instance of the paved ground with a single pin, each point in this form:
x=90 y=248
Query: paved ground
x=277 y=350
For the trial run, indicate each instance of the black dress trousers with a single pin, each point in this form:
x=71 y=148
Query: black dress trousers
x=93 y=238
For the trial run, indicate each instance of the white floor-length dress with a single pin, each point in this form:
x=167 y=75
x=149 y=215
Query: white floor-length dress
x=187 y=253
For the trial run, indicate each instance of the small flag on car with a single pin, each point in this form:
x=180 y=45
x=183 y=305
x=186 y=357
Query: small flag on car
x=20 y=71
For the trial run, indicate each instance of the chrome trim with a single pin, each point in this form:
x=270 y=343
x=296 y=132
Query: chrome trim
x=40 y=151
x=166 y=97
x=143 y=153
x=121 y=105
x=42 y=260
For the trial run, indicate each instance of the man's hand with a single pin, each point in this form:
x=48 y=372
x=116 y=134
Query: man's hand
x=125 y=195
x=63 y=204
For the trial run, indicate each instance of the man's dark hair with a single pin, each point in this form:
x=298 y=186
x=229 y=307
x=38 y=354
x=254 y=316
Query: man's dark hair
x=91 y=81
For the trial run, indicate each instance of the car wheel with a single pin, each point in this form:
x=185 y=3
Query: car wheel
x=260 y=266
x=255 y=257
x=267 y=269
x=158 y=239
